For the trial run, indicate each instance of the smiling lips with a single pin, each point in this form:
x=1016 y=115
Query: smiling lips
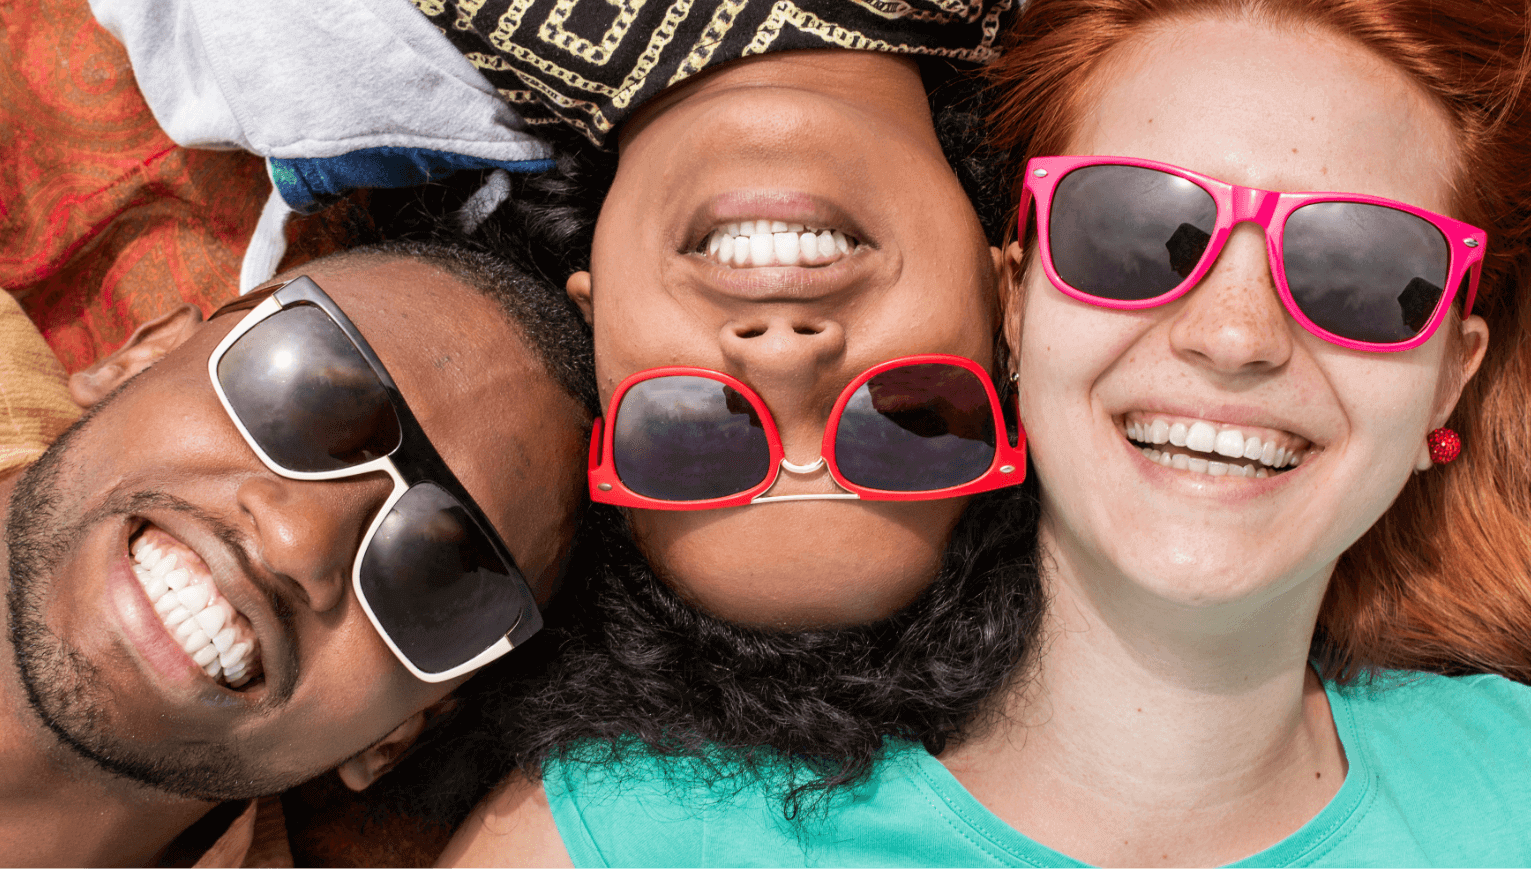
x=1202 y=447
x=203 y=622
x=757 y=243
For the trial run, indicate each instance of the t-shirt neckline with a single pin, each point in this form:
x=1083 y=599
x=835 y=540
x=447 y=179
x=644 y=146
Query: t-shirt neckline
x=1308 y=843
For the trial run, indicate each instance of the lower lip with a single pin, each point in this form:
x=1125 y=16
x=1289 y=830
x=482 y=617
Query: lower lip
x=147 y=633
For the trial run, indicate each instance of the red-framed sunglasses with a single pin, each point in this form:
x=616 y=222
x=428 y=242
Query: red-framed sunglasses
x=909 y=429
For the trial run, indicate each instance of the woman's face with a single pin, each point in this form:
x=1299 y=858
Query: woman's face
x=839 y=143
x=1261 y=107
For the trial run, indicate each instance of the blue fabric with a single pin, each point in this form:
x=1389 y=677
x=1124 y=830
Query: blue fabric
x=1439 y=775
x=309 y=184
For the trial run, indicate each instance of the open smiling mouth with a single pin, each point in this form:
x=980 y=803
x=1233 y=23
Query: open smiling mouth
x=200 y=619
x=758 y=243
x=1204 y=447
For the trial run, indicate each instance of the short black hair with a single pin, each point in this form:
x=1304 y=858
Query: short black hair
x=549 y=322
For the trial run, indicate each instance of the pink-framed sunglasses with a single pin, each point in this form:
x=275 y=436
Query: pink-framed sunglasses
x=914 y=428
x=1359 y=271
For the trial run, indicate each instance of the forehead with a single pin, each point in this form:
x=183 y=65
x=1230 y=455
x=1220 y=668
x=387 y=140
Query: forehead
x=1271 y=106
x=506 y=429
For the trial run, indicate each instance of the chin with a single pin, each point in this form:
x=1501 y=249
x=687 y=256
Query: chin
x=797 y=566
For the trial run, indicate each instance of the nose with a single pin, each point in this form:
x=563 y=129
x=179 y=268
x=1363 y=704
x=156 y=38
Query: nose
x=1233 y=321
x=309 y=531
x=793 y=362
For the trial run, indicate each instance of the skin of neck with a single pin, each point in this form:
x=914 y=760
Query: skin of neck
x=1158 y=732
x=46 y=790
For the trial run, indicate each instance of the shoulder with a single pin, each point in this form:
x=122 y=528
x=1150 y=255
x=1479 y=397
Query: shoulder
x=1427 y=734
x=514 y=826
x=1406 y=697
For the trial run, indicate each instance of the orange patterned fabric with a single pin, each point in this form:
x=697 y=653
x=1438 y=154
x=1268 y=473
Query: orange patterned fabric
x=35 y=406
x=104 y=222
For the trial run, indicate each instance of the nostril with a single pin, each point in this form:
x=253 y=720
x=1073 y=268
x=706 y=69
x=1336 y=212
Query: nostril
x=806 y=330
x=750 y=333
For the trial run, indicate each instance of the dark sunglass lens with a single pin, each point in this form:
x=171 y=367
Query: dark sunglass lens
x=917 y=428
x=1364 y=272
x=436 y=584
x=306 y=395
x=686 y=438
x=1128 y=233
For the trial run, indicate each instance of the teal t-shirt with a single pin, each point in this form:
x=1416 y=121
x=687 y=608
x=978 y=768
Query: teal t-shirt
x=1440 y=775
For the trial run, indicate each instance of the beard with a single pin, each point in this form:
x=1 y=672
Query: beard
x=62 y=686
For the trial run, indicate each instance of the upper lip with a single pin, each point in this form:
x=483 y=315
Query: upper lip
x=236 y=576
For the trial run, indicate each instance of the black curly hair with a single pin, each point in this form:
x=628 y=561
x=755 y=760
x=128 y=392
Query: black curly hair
x=625 y=660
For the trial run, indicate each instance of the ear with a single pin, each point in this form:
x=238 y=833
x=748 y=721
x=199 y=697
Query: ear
x=1011 y=285
x=144 y=347
x=578 y=288
x=1469 y=348
x=363 y=770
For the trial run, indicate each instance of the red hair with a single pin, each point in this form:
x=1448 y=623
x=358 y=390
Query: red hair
x=1442 y=582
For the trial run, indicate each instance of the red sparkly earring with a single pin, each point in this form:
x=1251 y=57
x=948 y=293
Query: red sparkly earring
x=1445 y=445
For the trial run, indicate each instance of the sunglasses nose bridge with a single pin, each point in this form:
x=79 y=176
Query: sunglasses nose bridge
x=1254 y=204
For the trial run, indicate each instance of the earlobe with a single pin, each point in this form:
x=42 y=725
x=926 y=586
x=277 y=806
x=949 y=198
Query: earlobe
x=144 y=347
x=579 y=290
x=363 y=770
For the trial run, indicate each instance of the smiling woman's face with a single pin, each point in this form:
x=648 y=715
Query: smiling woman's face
x=791 y=221
x=1260 y=107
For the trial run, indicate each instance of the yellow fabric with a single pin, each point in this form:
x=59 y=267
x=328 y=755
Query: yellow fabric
x=35 y=407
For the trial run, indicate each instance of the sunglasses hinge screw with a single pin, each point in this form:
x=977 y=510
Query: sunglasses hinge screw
x=604 y=487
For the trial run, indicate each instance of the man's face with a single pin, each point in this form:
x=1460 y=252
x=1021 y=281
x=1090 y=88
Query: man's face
x=162 y=460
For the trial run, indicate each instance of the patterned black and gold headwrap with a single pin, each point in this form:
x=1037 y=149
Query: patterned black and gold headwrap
x=591 y=63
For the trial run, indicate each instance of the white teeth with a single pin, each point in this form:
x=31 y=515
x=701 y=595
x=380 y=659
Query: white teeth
x=1201 y=438
x=1204 y=437
x=754 y=243
x=1181 y=462
x=762 y=247
x=1198 y=465
x=1230 y=443
x=1252 y=448
x=201 y=621
x=787 y=247
x=194 y=596
x=1217 y=469
x=213 y=619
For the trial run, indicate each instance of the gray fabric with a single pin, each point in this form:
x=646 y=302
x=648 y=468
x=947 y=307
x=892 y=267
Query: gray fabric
x=303 y=79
